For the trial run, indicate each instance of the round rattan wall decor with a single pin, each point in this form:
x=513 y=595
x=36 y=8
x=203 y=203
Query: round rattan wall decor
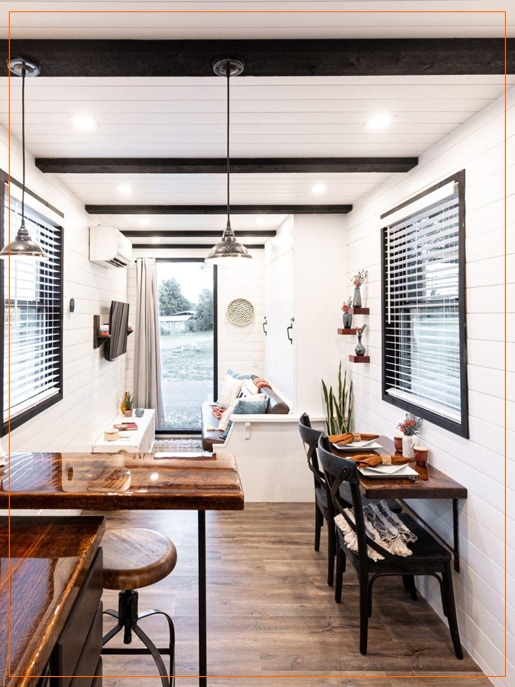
x=240 y=311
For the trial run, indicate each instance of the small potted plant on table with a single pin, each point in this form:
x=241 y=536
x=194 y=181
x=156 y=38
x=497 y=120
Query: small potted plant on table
x=127 y=403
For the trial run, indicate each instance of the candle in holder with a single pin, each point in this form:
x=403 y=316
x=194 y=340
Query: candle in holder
x=420 y=455
x=397 y=442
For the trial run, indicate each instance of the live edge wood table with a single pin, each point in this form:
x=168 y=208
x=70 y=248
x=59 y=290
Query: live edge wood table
x=109 y=482
x=50 y=592
x=430 y=484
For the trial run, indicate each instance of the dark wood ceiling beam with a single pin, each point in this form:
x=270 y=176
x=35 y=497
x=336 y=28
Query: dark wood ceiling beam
x=266 y=165
x=189 y=246
x=293 y=57
x=217 y=209
x=181 y=233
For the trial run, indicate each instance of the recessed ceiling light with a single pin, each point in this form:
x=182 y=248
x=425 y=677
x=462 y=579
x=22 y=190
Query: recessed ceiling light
x=124 y=189
x=144 y=221
x=156 y=239
x=85 y=122
x=318 y=189
x=379 y=121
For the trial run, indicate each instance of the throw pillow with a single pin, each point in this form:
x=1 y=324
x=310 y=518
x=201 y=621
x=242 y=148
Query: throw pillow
x=260 y=383
x=248 y=388
x=238 y=375
x=246 y=407
x=224 y=419
x=230 y=390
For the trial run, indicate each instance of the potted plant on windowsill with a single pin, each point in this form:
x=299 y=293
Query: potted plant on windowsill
x=127 y=404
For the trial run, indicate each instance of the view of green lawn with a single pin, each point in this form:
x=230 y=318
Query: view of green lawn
x=186 y=377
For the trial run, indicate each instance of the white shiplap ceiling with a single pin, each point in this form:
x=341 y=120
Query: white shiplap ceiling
x=289 y=117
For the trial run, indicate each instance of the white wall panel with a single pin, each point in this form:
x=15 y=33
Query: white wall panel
x=478 y=463
x=91 y=385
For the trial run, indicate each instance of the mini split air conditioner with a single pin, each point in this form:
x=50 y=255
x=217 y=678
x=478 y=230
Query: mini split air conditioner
x=109 y=247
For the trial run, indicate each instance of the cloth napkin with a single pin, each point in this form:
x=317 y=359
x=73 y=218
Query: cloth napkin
x=348 y=437
x=372 y=459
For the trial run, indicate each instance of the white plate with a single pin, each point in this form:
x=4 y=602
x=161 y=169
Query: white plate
x=358 y=445
x=389 y=471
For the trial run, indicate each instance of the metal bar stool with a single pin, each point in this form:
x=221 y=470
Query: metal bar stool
x=134 y=558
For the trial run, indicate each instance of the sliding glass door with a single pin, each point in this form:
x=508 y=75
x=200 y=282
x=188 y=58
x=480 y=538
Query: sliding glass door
x=187 y=340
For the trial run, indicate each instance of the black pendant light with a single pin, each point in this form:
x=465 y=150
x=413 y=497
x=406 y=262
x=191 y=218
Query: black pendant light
x=228 y=249
x=23 y=246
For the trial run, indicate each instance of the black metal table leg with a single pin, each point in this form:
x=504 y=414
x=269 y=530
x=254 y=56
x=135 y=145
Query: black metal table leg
x=202 y=605
x=456 y=542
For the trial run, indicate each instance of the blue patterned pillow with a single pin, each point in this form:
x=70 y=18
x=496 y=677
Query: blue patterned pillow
x=244 y=407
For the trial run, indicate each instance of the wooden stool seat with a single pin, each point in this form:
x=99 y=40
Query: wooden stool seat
x=136 y=557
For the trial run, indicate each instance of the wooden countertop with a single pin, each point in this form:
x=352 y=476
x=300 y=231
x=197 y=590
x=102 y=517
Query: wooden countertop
x=43 y=564
x=105 y=481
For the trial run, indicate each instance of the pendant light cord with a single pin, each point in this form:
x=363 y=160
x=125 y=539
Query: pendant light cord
x=228 y=74
x=23 y=73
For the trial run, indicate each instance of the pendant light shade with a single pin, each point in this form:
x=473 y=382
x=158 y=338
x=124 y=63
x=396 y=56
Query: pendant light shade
x=23 y=245
x=228 y=250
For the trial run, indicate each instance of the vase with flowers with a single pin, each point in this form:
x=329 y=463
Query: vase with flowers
x=358 y=279
x=360 y=348
x=347 y=314
x=409 y=427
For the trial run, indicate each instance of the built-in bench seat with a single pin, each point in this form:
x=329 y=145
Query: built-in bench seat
x=268 y=450
x=212 y=436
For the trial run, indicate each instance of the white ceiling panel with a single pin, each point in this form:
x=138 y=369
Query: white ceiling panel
x=275 y=117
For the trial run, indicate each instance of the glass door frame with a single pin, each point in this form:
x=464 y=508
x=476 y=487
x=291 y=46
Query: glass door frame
x=161 y=432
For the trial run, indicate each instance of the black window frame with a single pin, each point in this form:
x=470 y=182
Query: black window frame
x=57 y=311
x=391 y=335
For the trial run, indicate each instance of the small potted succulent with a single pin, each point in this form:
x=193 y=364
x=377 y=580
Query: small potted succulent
x=127 y=404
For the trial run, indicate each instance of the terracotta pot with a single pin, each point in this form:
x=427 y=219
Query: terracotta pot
x=397 y=442
x=420 y=455
x=128 y=413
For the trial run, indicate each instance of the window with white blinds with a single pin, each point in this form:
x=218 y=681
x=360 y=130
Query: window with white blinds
x=32 y=315
x=424 y=345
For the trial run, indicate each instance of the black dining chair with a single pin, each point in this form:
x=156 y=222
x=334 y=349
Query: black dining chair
x=323 y=504
x=428 y=557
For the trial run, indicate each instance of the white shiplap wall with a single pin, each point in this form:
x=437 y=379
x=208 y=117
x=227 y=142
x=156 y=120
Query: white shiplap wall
x=92 y=386
x=477 y=463
x=242 y=348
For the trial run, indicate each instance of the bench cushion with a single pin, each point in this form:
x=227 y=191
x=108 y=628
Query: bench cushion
x=210 y=436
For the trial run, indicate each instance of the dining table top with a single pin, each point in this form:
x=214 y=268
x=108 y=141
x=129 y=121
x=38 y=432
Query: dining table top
x=121 y=481
x=430 y=483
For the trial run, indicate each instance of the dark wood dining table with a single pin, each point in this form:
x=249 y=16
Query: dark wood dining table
x=429 y=483
x=110 y=482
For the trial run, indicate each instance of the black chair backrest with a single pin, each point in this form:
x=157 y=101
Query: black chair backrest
x=310 y=438
x=343 y=480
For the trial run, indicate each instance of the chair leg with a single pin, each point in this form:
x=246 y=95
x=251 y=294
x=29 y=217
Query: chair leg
x=340 y=569
x=365 y=595
x=331 y=552
x=319 y=523
x=451 y=610
x=409 y=586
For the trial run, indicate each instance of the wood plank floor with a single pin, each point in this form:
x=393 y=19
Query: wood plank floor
x=272 y=619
